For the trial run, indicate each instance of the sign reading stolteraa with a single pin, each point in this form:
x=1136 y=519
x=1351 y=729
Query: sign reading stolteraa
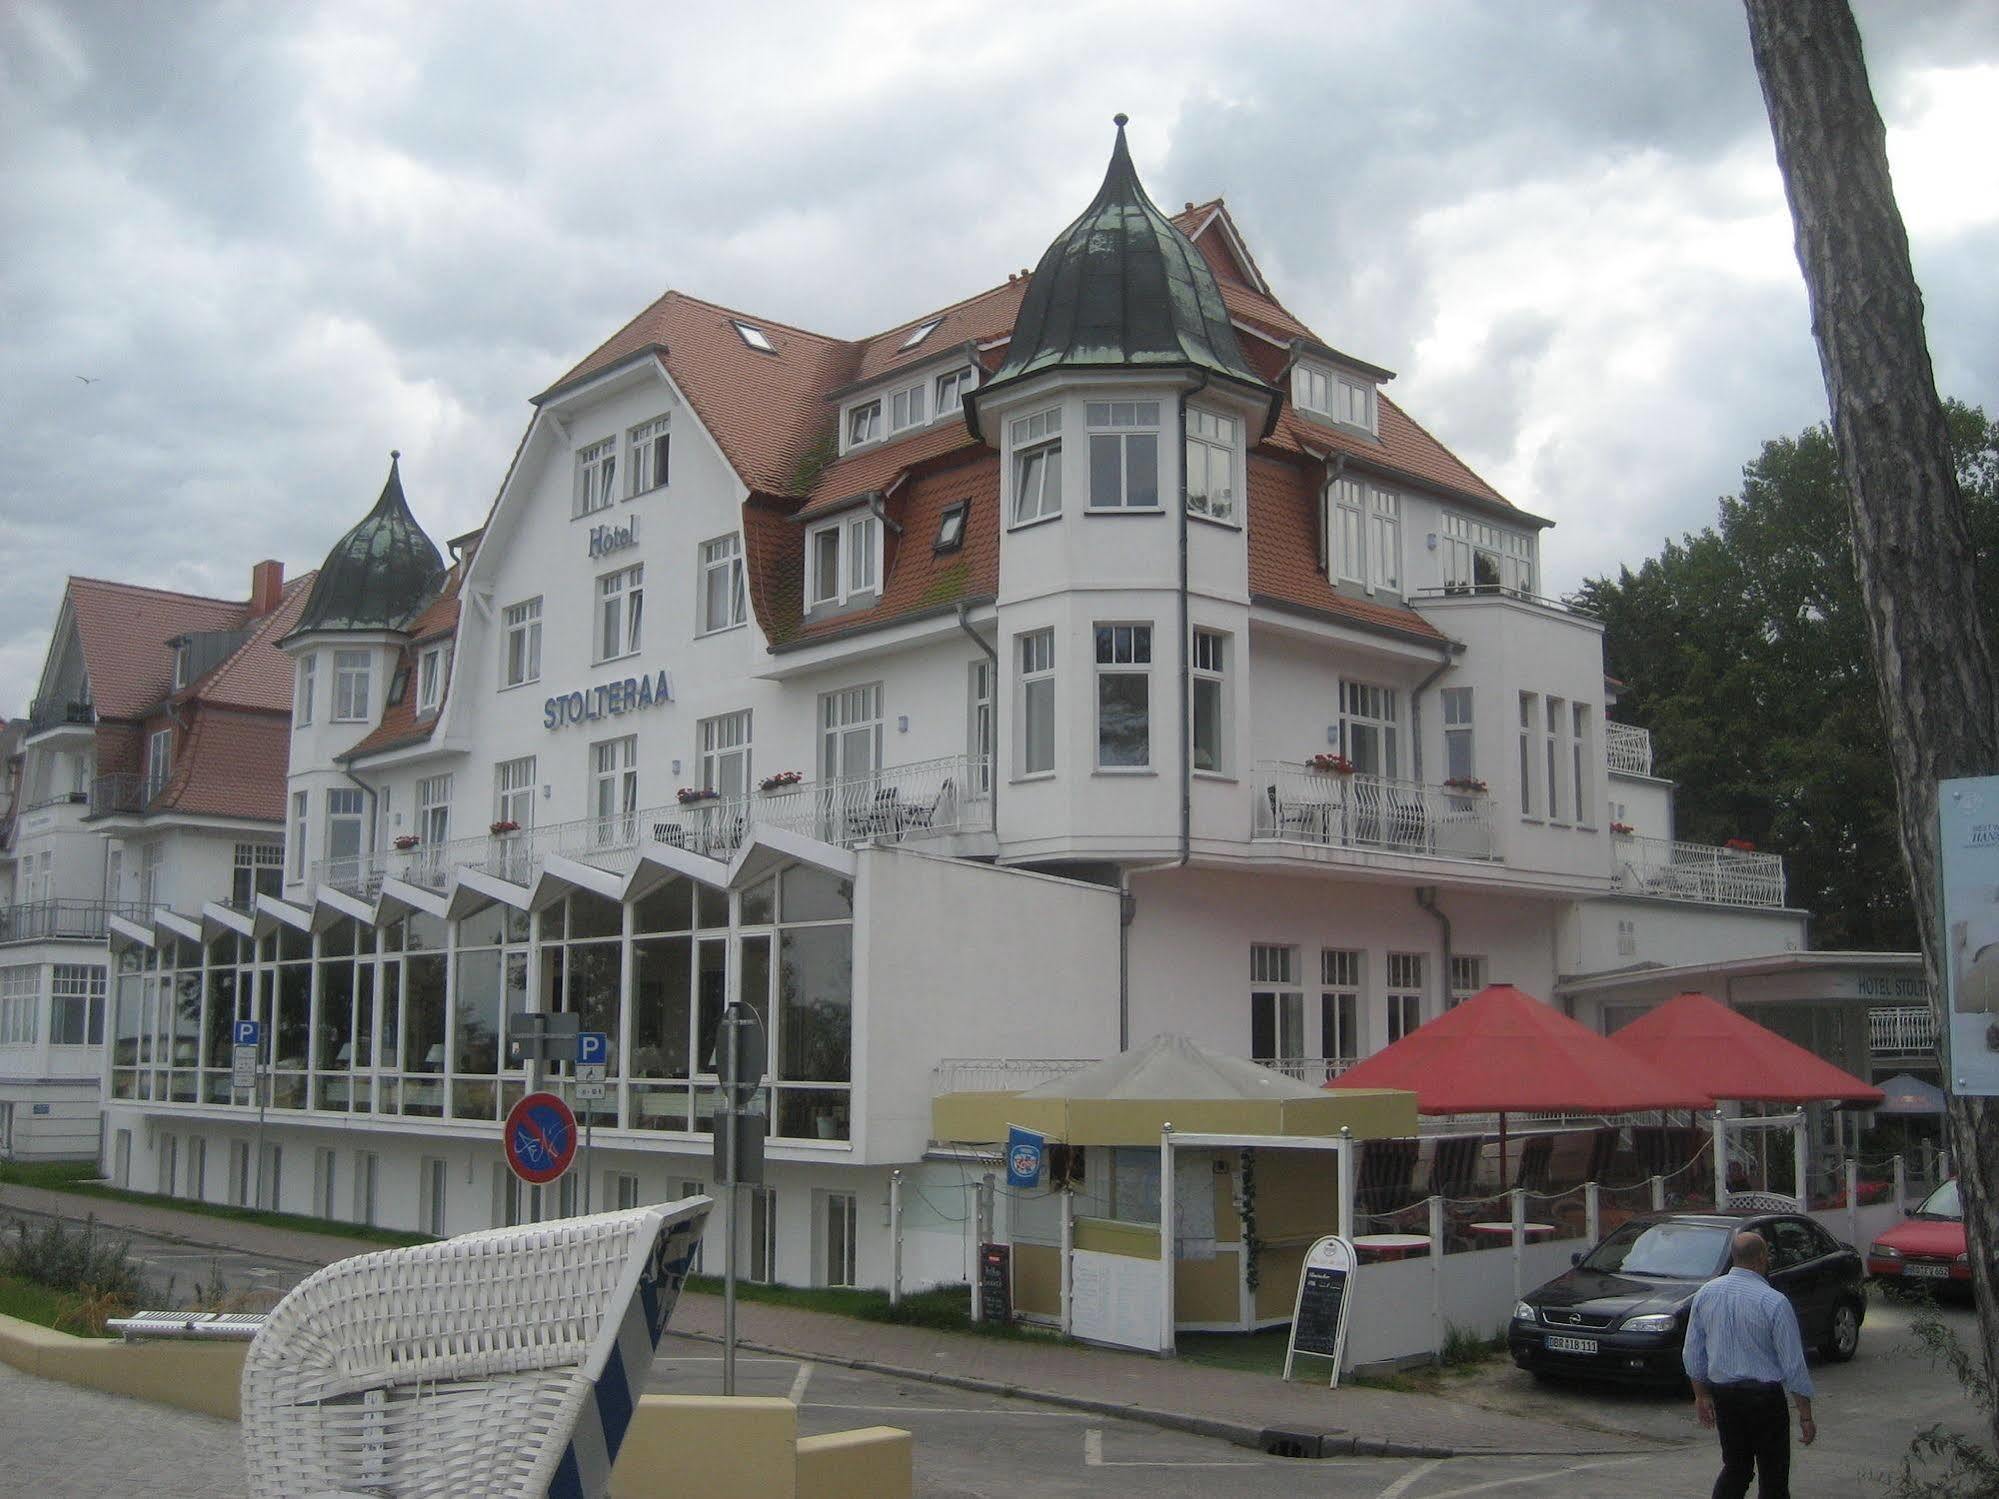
x=1319 y=1317
x=1968 y=818
x=607 y=700
x=1026 y=1149
x=540 y=1138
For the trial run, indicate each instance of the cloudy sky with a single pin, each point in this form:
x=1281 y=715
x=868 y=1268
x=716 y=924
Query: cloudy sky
x=282 y=239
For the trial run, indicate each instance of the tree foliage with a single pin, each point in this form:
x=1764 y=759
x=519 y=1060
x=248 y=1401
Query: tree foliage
x=1743 y=648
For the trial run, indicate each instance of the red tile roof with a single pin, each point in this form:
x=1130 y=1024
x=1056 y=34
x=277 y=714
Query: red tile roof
x=977 y=319
x=228 y=762
x=400 y=724
x=125 y=629
x=257 y=674
x=875 y=468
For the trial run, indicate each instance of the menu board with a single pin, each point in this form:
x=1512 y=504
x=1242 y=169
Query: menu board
x=1319 y=1317
x=996 y=1282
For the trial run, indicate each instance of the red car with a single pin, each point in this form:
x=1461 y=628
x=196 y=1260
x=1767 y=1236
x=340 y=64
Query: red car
x=1926 y=1247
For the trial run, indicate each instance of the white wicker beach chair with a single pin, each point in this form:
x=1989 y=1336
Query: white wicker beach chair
x=506 y=1362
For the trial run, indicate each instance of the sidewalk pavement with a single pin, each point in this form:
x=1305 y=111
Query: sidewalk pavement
x=1302 y=1418
x=65 y=1440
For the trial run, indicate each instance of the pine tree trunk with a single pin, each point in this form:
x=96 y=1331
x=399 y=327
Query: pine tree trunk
x=1911 y=543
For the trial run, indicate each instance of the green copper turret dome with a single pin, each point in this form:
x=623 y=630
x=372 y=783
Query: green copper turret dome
x=1122 y=288
x=379 y=574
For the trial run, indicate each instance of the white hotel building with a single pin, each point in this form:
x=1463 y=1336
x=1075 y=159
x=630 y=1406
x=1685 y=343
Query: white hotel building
x=998 y=647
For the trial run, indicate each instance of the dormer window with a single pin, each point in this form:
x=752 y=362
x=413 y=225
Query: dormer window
x=181 y=659
x=431 y=668
x=951 y=528
x=596 y=476
x=755 y=337
x=864 y=423
x=842 y=559
x=920 y=332
x=908 y=408
x=952 y=388
x=1482 y=558
x=1342 y=398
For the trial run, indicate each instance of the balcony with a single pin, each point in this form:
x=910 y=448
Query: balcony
x=898 y=804
x=55 y=715
x=1697 y=872
x=1627 y=749
x=122 y=792
x=1902 y=1031
x=1002 y=1074
x=81 y=920
x=1297 y=804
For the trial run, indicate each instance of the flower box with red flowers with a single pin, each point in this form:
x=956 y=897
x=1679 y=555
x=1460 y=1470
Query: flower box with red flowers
x=504 y=825
x=407 y=841
x=1335 y=765
x=1622 y=829
x=1471 y=784
x=1739 y=846
x=688 y=795
x=781 y=780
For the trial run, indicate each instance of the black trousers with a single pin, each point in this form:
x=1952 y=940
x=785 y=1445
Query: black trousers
x=1755 y=1427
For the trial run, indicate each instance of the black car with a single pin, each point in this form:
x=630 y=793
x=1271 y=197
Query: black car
x=1621 y=1313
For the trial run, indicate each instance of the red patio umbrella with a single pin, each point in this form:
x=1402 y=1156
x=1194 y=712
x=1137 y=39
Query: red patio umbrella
x=1503 y=1051
x=1702 y=1041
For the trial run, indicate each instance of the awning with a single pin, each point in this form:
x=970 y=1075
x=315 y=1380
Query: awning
x=1703 y=1042
x=1903 y=1096
x=1506 y=1052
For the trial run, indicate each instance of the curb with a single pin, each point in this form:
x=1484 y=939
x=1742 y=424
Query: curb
x=1277 y=1441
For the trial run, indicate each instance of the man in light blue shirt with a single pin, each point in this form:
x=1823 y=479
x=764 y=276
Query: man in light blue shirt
x=1743 y=1353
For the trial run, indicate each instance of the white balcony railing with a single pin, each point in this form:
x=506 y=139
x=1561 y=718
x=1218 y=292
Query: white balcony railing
x=1901 y=1031
x=1697 y=871
x=1627 y=748
x=1311 y=1070
x=1296 y=804
x=900 y=803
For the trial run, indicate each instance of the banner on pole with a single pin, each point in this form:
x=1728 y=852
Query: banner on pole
x=1026 y=1150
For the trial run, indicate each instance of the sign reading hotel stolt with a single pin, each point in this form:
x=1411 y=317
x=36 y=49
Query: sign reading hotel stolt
x=607 y=700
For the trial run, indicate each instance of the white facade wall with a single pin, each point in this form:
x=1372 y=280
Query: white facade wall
x=1642 y=803
x=1594 y=936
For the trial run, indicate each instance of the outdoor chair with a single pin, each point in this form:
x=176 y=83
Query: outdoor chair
x=1454 y=1165
x=506 y=1362
x=1387 y=1168
x=1535 y=1155
x=922 y=819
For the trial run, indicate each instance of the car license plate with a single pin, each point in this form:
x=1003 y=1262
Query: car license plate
x=1928 y=1272
x=1559 y=1344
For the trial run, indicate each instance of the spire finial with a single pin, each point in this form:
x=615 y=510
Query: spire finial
x=395 y=454
x=1120 y=120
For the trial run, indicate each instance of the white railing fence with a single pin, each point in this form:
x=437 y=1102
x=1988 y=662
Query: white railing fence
x=1001 y=1074
x=899 y=803
x=1697 y=871
x=1297 y=804
x=1627 y=748
x=1901 y=1030
x=1313 y=1070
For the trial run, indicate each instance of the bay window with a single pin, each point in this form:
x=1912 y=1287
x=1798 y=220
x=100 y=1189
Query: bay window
x=1124 y=696
x=1037 y=466
x=351 y=673
x=1211 y=447
x=1124 y=454
x=1037 y=702
x=1210 y=682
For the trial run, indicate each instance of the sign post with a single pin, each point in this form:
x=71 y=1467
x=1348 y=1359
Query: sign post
x=246 y=1072
x=740 y=1067
x=1319 y=1316
x=593 y=1056
x=540 y=1138
x=537 y=1038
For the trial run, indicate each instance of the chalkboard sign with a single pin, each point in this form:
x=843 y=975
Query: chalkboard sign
x=996 y=1282
x=1319 y=1317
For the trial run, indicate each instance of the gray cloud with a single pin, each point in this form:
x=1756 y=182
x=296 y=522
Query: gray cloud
x=288 y=238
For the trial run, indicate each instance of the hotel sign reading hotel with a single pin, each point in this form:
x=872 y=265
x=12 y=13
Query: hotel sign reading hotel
x=607 y=700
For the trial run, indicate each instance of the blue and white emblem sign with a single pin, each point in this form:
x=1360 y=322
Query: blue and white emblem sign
x=1025 y=1151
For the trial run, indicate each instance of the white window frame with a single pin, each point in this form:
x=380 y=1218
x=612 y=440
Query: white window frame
x=1346 y=531
x=1120 y=424
x=951 y=523
x=520 y=643
x=1460 y=744
x=614 y=780
x=1384 y=525
x=1312 y=388
x=514 y=783
x=980 y=723
x=353 y=685
x=724 y=555
x=1370 y=708
x=617 y=624
x=850 y=716
x=1354 y=403
x=432 y=669
x=1122 y=649
x=1341 y=987
x=726 y=751
x=1507 y=557
x=1212 y=437
x=159 y=761
x=649 y=453
x=301 y=824
x=950 y=390
x=344 y=805
x=842 y=1238
x=1580 y=762
x=855 y=561
x=1036 y=467
x=433 y=810
x=308 y=675
x=1406 y=978
x=1467 y=978
x=861 y=424
x=1274 y=985
x=920 y=332
x=20 y=1004
x=754 y=336
x=1553 y=712
x=1530 y=717
x=596 y=477
x=1209 y=662
x=909 y=407
x=1034 y=658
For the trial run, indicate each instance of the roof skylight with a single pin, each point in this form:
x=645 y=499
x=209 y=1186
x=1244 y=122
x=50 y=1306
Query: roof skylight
x=755 y=337
x=920 y=332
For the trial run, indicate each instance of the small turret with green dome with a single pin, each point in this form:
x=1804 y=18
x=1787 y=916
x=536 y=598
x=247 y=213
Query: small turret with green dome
x=379 y=574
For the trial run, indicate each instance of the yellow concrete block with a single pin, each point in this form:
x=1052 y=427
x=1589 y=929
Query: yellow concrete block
x=875 y=1462
x=708 y=1444
x=206 y=1378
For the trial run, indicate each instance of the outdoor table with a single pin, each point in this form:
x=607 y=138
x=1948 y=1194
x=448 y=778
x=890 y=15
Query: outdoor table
x=1505 y=1230
x=1390 y=1246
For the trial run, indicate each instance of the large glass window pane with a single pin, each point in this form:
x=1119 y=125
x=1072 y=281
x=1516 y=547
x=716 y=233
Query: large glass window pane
x=477 y=1003
x=335 y=1049
x=1207 y=724
x=755 y=989
x=1123 y=719
x=815 y=895
x=423 y=1014
x=662 y=993
x=292 y=1023
x=711 y=993
x=815 y=1003
x=593 y=990
x=670 y=908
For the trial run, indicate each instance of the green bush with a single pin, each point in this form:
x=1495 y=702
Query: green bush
x=75 y=1261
